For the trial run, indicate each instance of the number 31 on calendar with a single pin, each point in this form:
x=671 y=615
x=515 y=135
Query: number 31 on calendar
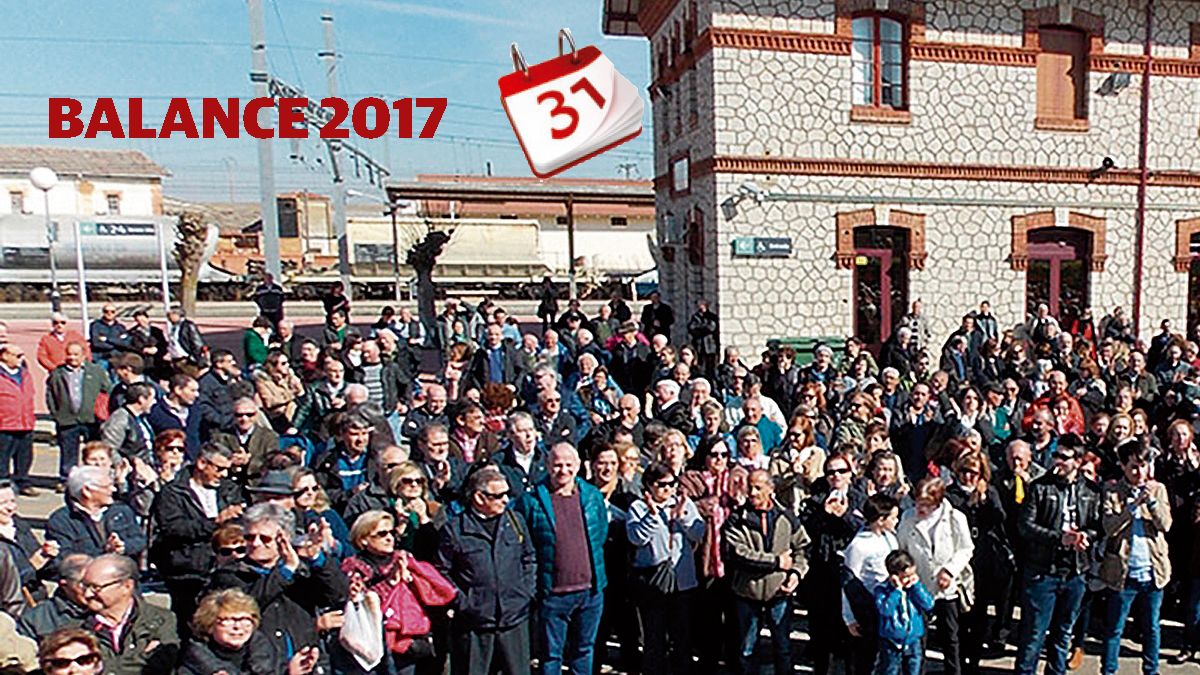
x=570 y=108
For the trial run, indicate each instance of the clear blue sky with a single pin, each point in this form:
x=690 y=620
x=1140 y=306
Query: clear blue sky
x=390 y=48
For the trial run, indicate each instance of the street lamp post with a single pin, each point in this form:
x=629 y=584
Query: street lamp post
x=44 y=179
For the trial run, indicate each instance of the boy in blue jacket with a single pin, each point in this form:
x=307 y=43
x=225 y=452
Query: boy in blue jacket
x=902 y=603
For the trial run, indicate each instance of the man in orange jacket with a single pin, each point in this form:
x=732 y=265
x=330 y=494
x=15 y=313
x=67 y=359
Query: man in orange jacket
x=52 y=348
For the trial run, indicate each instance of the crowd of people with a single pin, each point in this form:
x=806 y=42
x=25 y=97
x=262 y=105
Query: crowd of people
x=607 y=491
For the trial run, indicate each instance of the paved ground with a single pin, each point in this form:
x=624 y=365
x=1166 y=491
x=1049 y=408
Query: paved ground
x=223 y=325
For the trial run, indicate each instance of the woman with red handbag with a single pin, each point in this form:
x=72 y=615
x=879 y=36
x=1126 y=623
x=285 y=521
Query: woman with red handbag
x=406 y=586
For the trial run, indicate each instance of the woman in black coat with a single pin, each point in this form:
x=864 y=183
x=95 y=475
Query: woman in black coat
x=226 y=639
x=992 y=562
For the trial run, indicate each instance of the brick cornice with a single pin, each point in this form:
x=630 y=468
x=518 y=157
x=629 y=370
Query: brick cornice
x=852 y=168
x=1021 y=225
x=919 y=50
x=848 y=221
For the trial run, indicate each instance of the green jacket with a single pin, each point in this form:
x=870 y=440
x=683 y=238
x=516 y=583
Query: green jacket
x=58 y=395
x=148 y=646
x=255 y=348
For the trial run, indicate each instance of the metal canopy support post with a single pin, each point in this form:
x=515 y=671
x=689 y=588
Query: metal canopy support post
x=83 y=296
x=329 y=56
x=1144 y=171
x=162 y=266
x=571 y=246
x=266 y=160
x=395 y=250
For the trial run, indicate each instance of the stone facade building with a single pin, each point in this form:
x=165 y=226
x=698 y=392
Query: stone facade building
x=946 y=150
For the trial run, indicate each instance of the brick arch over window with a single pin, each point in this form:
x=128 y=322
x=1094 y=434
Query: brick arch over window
x=848 y=221
x=1184 y=231
x=1021 y=225
x=912 y=10
x=1092 y=24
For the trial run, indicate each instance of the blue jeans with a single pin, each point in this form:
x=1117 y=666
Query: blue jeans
x=1150 y=598
x=569 y=622
x=895 y=659
x=69 y=440
x=777 y=615
x=1048 y=603
x=16 y=449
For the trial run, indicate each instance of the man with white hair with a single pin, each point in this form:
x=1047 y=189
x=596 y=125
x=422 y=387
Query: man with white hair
x=135 y=636
x=432 y=412
x=668 y=409
x=897 y=352
x=52 y=348
x=699 y=392
x=91 y=522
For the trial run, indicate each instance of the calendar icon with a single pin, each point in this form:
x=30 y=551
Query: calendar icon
x=569 y=109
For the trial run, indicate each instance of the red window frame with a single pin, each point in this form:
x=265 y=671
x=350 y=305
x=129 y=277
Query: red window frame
x=877 y=60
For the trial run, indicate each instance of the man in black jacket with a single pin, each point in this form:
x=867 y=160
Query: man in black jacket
x=106 y=336
x=487 y=554
x=184 y=342
x=215 y=404
x=494 y=361
x=1059 y=523
x=657 y=317
x=186 y=512
x=294 y=586
x=631 y=364
x=703 y=330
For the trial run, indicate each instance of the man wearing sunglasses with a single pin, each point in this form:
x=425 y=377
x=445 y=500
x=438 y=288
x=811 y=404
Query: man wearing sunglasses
x=135 y=636
x=1059 y=523
x=486 y=552
x=106 y=336
x=186 y=513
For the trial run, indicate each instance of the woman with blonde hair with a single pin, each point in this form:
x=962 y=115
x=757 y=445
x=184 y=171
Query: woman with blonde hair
x=383 y=568
x=414 y=509
x=279 y=388
x=225 y=639
x=796 y=464
x=993 y=563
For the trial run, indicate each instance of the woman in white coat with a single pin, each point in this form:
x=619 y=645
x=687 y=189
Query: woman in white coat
x=939 y=539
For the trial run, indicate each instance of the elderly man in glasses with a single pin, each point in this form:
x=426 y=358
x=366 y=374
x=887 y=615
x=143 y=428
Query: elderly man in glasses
x=249 y=435
x=495 y=581
x=106 y=336
x=135 y=636
x=291 y=583
x=52 y=348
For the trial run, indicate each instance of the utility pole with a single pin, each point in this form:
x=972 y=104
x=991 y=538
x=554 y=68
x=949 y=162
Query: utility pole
x=329 y=56
x=266 y=160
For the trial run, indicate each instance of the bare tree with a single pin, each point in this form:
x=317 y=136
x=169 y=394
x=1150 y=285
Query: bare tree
x=188 y=251
x=422 y=257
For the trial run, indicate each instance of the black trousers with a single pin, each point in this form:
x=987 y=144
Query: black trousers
x=948 y=613
x=667 y=633
x=714 y=624
x=185 y=597
x=504 y=651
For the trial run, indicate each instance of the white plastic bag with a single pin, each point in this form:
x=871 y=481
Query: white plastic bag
x=362 y=630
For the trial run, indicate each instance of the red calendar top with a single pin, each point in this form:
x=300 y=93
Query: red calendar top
x=541 y=73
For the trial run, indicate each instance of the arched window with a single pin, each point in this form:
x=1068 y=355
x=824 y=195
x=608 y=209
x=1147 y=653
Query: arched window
x=880 y=58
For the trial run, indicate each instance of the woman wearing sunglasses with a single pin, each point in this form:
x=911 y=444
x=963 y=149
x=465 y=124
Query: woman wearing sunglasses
x=664 y=528
x=225 y=639
x=414 y=510
x=70 y=651
x=716 y=489
x=383 y=568
x=312 y=505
